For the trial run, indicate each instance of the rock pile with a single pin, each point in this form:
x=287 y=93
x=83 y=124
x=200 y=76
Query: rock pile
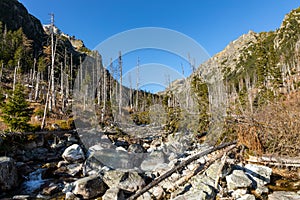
x=118 y=170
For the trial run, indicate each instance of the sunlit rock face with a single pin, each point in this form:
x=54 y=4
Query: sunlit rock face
x=14 y=15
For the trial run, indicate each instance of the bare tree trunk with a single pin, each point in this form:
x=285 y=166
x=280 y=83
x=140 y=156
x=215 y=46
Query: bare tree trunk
x=46 y=105
x=62 y=87
x=66 y=77
x=15 y=76
x=67 y=83
x=45 y=111
x=81 y=72
x=249 y=92
x=104 y=94
x=30 y=79
x=111 y=81
x=61 y=79
x=94 y=70
x=137 y=85
x=86 y=88
x=121 y=86
x=53 y=50
x=130 y=92
x=71 y=72
x=34 y=71
x=36 y=96
x=116 y=92
x=1 y=72
x=99 y=82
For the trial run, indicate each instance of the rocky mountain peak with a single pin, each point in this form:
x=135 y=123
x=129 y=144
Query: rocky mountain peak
x=77 y=44
x=230 y=55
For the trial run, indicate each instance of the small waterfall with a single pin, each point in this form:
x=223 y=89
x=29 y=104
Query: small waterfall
x=34 y=182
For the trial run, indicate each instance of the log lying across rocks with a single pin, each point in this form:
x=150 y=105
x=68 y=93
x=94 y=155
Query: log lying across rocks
x=201 y=168
x=272 y=160
x=183 y=164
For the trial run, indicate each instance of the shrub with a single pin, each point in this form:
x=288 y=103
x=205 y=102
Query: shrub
x=16 y=112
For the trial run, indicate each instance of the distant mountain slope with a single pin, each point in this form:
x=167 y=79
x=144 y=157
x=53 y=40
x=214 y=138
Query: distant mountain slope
x=251 y=72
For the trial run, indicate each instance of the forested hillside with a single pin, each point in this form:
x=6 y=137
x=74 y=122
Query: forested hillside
x=46 y=62
x=261 y=75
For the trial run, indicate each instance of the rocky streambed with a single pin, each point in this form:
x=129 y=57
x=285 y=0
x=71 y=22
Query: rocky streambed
x=90 y=164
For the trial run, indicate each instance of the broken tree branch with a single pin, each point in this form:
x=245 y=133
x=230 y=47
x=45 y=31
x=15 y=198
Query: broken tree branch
x=223 y=161
x=200 y=168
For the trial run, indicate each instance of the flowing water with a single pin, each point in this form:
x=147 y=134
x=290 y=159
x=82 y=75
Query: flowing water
x=33 y=182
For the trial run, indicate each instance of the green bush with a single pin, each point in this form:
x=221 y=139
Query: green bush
x=16 y=112
x=141 y=118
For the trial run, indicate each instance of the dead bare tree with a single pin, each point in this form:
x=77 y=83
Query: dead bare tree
x=130 y=91
x=36 y=95
x=104 y=94
x=46 y=106
x=120 y=84
x=111 y=81
x=52 y=98
x=15 y=75
x=137 y=84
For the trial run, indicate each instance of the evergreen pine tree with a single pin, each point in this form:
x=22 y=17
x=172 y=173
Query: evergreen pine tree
x=16 y=111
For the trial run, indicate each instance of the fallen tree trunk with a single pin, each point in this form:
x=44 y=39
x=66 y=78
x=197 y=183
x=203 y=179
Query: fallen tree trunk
x=57 y=132
x=275 y=160
x=200 y=168
x=178 y=167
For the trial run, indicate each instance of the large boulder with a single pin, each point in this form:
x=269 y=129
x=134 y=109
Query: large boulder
x=114 y=159
x=73 y=154
x=132 y=183
x=100 y=146
x=179 y=142
x=8 y=174
x=89 y=187
x=153 y=160
x=93 y=137
x=70 y=169
x=92 y=165
x=113 y=178
x=260 y=174
x=238 y=179
x=127 y=181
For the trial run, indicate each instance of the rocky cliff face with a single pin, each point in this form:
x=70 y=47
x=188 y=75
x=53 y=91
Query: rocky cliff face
x=14 y=16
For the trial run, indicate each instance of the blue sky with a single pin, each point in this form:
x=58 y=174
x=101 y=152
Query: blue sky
x=213 y=24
